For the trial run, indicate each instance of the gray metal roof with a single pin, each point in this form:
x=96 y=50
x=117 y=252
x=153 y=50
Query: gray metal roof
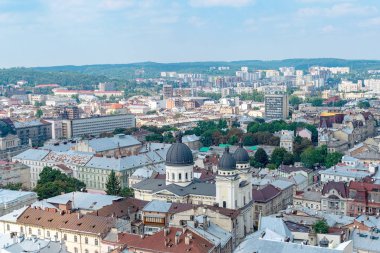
x=364 y=243
x=32 y=154
x=7 y=196
x=157 y=206
x=195 y=188
x=83 y=200
x=119 y=140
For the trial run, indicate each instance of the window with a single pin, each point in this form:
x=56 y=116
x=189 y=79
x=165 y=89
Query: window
x=86 y=251
x=86 y=240
x=75 y=238
x=48 y=233
x=173 y=177
x=39 y=232
x=224 y=204
x=186 y=176
x=8 y=227
x=30 y=230
x=179 y=176
x=75 y=250
x=65 y=237
x=96 y=242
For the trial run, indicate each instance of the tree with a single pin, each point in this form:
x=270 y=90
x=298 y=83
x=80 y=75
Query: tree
x=12 y=186
x=294 y=100
x=332 y=159
x=39 y=113
x=288 y=159
x=321 y=227
x=233 y=140
x=364 y=105
x=312 y=156
x=113 y=184
x=277 y=156
x=127 y=192
x=260 y=158
x=53 y=182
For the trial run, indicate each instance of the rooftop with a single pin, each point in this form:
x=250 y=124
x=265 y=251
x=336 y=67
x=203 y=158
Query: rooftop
x=117 y=141
x=82 y=200
x=156 y=242
x=9 y=196
x=53 y=219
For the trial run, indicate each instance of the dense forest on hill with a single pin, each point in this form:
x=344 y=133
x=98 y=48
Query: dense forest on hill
x=87 y=76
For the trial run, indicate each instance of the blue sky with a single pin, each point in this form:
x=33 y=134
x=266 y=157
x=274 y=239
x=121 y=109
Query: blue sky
x=60 y=32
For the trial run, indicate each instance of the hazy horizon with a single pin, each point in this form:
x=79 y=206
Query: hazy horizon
x=40 y=33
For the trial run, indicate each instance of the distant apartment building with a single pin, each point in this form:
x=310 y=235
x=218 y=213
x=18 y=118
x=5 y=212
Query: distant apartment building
x=167 y=91
x=364 y=198
x=34 y=132
x=276 y=106
x=70 y=112
x=349 y=86
x=106 y=86
x=56 y=128
x=96 y=125
x=372 y=85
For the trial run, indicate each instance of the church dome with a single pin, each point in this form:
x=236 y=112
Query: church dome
x=241 y=155
x=227 y=161
x=179 y=154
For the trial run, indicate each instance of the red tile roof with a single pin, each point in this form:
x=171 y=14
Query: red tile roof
x=265 y=194
x=340 y=187
x=158 y=242
x=87 y=223
x=119 y=208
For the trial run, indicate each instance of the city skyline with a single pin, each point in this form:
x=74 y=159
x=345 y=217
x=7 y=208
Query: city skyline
x=81 y=32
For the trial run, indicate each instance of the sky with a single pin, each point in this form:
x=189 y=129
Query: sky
x=80 y=32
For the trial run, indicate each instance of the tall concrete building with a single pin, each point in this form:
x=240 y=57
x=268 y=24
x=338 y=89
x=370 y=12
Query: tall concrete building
x=276 y=106
x=96 y=125
x=167 y=91
x=34 y=132
x=106 y=86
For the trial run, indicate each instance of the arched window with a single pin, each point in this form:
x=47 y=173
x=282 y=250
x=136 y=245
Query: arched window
x=75 y=238
x=86 y=240
x=179 y=176
x=173 y=176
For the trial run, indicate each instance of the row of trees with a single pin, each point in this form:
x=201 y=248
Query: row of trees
x=53 y=182
x=278 y=125
x=310 y=157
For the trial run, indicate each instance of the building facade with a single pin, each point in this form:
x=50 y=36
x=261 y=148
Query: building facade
x=276 y=106
x=96 y=125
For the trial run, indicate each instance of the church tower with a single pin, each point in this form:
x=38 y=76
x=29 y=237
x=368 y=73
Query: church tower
x=179 y=164
x=227 y=182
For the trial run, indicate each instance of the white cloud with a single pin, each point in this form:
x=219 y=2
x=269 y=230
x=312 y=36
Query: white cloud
x=116 y=4
x=371 y=22
x=337 y=10
x=196 y=21
x=251 y=24
x=328 y=29
x=218 y=3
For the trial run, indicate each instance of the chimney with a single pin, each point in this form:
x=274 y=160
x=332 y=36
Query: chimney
x=79 y=216
x=205 y=222
x=176 y=239
x=166 y=231
x=187 y=240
